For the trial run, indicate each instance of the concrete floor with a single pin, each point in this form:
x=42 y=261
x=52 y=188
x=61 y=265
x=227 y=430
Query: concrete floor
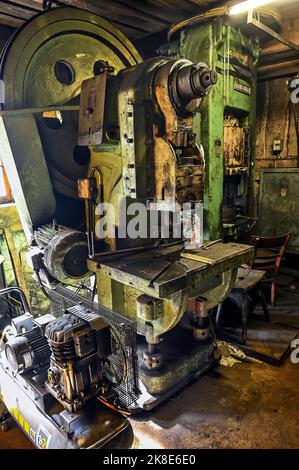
x=237 y=406
x=244 y=406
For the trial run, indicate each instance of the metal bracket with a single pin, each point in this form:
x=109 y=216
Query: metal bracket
x=258 y=24
x=128 y=147
x=149 y=308
x=23 y=111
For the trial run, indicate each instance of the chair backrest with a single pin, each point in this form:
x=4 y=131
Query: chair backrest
x=276 y=246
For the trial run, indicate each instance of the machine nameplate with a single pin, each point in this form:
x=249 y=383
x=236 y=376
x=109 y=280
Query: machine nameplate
x=238 y=86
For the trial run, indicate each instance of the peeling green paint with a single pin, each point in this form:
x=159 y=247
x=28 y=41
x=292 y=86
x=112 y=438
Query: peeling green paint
x=9 y=220
x=216 y=42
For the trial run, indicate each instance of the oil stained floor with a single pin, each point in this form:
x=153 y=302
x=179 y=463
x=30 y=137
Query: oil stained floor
x=239 y=405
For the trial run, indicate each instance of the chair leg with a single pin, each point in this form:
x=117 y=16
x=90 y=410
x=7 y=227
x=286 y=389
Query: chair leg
x=263 y=301
x=245 y=311
x=273 y=293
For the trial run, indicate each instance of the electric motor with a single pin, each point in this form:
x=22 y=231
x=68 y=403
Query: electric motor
x=65 y=253
x=27 y=351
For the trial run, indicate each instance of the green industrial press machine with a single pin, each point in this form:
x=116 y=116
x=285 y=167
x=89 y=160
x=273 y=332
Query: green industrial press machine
x=228 y=115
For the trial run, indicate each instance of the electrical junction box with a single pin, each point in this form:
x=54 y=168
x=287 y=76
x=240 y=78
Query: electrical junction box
x=277 y=145
x=22 y=323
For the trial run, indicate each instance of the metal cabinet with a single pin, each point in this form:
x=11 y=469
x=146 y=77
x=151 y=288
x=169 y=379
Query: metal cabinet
x=279 y=204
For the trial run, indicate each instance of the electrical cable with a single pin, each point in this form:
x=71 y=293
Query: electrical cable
x=41 y=284
x=2 y=299
x=114 y=408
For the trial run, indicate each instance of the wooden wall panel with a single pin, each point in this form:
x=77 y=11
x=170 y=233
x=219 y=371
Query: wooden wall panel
x=275 y=120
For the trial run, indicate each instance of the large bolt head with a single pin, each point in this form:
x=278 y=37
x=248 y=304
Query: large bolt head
x=152 y=360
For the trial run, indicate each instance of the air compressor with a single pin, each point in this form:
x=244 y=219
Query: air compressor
x=56 y=375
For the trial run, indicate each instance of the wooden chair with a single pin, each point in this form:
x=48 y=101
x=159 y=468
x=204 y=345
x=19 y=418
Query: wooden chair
x=268 y=254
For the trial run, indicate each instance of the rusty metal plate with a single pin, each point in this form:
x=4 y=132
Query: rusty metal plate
x=91 y=116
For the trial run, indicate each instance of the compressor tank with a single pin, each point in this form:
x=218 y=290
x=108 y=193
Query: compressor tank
x=49 y=426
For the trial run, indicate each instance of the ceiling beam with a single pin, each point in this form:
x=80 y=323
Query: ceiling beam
x=15 y=11
x=10 y=21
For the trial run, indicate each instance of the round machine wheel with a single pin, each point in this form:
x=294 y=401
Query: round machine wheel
x=5 y=421
x=44 y=65
x=4 y=426
x=66 y=256
x=56 y=50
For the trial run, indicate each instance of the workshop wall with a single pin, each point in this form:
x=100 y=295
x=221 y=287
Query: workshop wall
x=13 y=245
x=275 y=122
x=275 y=118
x=276 y=138
x=15 y=268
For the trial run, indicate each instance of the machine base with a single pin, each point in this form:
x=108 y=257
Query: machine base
x=184 y=360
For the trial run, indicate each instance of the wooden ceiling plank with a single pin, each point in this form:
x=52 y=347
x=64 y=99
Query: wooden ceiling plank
x=175 y=6
x=275 y=70
x=10 y=21
x=184 y=7
x=282 y=72
x=161 y=14
x=18 y=12
x=201 y=3
x=172 y=14
x=280 y=54
x=33 y=5
x=111 y=11
x=133 y=17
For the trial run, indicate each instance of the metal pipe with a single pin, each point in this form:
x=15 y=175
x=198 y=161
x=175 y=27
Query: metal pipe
x=41 y=285
x=270 y=32
x=152 y=348
x=126 y=251
x=9 y=290
x=17 y=112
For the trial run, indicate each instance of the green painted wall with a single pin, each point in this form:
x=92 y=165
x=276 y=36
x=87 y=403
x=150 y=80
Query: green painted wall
x=9 y=221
